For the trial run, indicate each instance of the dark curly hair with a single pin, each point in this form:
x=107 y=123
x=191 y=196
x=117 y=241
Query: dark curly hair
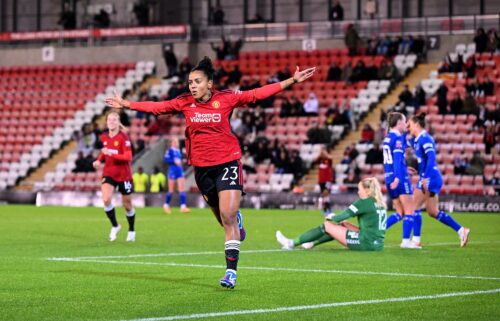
x=205 y=65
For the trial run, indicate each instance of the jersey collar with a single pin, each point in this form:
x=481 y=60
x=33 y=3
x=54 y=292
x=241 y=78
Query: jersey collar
x=421 y=133
x=395 y=131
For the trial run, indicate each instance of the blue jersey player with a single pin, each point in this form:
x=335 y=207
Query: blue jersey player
x=430 y=181
x=397 y=180
x=173 y=157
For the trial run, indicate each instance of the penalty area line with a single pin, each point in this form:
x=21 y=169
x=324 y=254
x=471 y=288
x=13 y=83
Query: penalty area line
x=263 y=268
x=318 y=306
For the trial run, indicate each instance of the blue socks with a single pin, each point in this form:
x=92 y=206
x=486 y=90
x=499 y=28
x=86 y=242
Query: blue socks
x=407 y=226
x=448 y=220
x=182 y=196
x=393 y=219
x=417 y=223
x=168 y=198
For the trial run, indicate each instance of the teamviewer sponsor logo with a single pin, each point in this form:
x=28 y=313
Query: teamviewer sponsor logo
x=205 y=118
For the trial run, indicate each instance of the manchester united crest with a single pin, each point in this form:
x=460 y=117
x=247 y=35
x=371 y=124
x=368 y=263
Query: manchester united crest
x=216 y=104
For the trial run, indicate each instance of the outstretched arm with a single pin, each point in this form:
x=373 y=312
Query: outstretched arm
x=157 y=108
x=264 y=92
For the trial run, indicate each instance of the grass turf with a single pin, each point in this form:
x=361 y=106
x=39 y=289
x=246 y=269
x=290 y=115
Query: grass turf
x=35 y=288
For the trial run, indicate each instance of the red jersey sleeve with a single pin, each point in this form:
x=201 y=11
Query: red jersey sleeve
x=240 y=98
x=163 y=107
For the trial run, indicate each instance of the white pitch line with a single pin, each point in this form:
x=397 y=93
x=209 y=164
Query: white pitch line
x=221 y=252
x=263 y=268
x=318 y=306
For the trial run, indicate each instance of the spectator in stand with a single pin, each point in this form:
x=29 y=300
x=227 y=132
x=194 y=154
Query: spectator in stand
x=393 y=46
x=297 y=107
x=388 y=71
x=351 y=180
x=347 y=71
x=184 y=69
x=487 y=86
x=420 y=96
x=418 y=46
x=482 y=115
x=248 y=163
x=405 y=45
x=493 y=44
x=141 y=11
x=259 y=119
x=337 y=13
x=158 y=181
x=489 y=138
x=481 y=40
x=67 y=18
x=367 y=135
x=380 y=133
x=359 y=72
x=406 y=96
x=296 y=166
x=352 y=40
x=476 y=164
x=442 y=101
x=474 y=88
x=281 y=163
x=141 y=181
x=311 y=106
x=374 y=155
x=284 y=74
x=459 y=165
x=317 y=135
x=218 y=16
x=233 y=49
x=470 y=106
x=170 y=60
x=234 y=76
x=286 y=108
x=371 y=46
x=101 y=20
x=456 y=105
x=80 y=164
x=138 y=146
x=260 y=151
x=470 y=67
x=220 y=50
x=370 y=8
x=383 y=46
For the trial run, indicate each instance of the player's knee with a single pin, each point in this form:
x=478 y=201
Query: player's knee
x=106 y=200
x=228 y=217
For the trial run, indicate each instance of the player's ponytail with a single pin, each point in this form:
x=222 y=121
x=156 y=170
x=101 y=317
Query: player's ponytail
x=205 y=65
x=372 y=188
x=394 y=118
x=419 y=119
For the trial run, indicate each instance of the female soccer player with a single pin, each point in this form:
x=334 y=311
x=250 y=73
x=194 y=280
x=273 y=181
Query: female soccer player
x=117 y=173
x=430 y=182
x=173 y=157
x=212 y=148
x=397 y=179
x=369 y=236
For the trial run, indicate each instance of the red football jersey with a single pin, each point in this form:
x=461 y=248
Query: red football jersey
x=209 y=139
x=325 y=170
x=119 y=145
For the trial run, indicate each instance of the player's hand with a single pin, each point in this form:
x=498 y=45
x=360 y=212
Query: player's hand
x=330 y=216
x=394 y=183
x=425 y=183
x=116 y=101
x=96 y=164
x=177 y=162
x=300 y=76
x=412 y=171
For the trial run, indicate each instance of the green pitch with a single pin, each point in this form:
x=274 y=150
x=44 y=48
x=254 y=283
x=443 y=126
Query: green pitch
x=89 y=278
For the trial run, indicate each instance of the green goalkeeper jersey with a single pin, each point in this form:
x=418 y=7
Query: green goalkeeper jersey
x=371 y=219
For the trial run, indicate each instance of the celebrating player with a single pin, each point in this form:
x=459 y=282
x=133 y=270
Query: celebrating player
x=431 y=181
x=212 y=148
x=397 y=180
x=173 y=157
x=117 y=173
x=325 y=179
x=369 y=236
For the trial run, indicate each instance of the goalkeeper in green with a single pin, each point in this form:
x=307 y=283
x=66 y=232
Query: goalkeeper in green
x=370 y=211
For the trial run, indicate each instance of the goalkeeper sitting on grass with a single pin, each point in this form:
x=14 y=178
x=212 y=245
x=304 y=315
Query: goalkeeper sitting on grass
x=369 y=236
